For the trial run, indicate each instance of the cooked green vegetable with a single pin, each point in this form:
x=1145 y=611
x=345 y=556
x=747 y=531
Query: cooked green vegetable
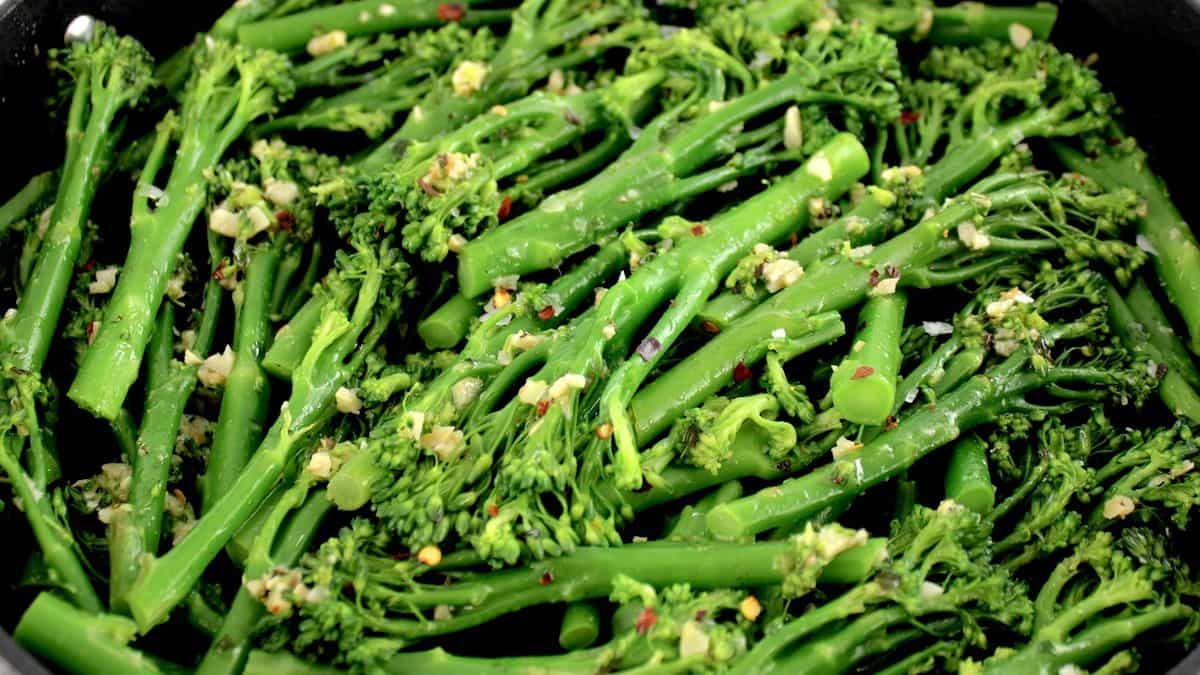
x=568 y=337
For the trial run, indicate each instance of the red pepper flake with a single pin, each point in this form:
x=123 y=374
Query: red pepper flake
x=793 y=239
x=646 y=620
x=1112 y=141
x=542 y=406
x=891 y=423
x=505 y=209
x=546 y=313
x=874 y=278
x=429 y=189
x=546 y=579
x=861 y=372
x=701 y=614
x=285 y=220
x=699 y=230
x=909 y=116
x=891 y=271
x=493 y=510
x=710 y=327
x=741 y=373
x=219 y=273
x=89 y=265
x=451 y=11
x=401 y=556
x=92 y=327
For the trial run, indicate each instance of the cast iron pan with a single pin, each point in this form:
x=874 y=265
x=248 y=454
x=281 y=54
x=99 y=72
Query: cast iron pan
x=1149 y=51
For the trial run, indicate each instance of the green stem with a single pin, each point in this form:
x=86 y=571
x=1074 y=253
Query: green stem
x=976 y=402
x=1176 y=392
x=863 y=387
x=29 y=197
x=136 y=529
x=42 y=299
x=231 y=645
x=587 y=573
x=1157 y=329
x=580 y=626
x=289 y=33
x=711 y=367
x=449 y=323
x=1177 y=257
x=84 y=642
x=974 y=22
x=968 y=481
x=690 y=525
x=240 y=423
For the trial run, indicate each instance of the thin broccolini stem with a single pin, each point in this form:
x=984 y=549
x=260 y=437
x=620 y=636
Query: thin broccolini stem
x=292 y=32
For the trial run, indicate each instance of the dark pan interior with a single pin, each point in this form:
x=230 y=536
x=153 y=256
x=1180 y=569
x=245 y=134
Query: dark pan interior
x=1149 y=51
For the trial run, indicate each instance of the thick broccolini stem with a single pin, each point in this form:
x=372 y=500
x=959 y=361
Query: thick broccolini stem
x=588 y=572
x=580 y=626
x=231 y=645
x=973 y=22
x=968 y=481
x=111 y=73
x=84 y=642
x=864 y=385
x=292 y=341
x=136 y=528
x=1177 y=257
x=165 y=581
x=239 y=427
x=974 y=403
x=449 y=323
x=1176 y=391
x=212 y=118
x=366 y=17
x=689 y=526
x=1158 y=331
x=653 y=173
x=712 y=367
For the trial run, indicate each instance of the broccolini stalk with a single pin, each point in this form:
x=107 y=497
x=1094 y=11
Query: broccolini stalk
x=967 y=116
x=543 y=37
x=1150 y=482
x=27 y=199
x=968 y=481
x=231 y=86
x=279 y=543
x=1159 y=332
x=326 y=368
x=724 y=360
x=940 y=565
x=42 y=506
x=271 y=185
x=365 y=17
x=580 y=626
x=412 y=66
x=240 y=423
x=963 y=23
x=689 y=526
x=1176 y=255
x=111 y=73
x=659 y=170
x=1072 y=622
x=836 y=557
x=135 y=530
x=84 y=642
x=864 y=385
x=1176 y=391
x=448 y=186
x=981 y=400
